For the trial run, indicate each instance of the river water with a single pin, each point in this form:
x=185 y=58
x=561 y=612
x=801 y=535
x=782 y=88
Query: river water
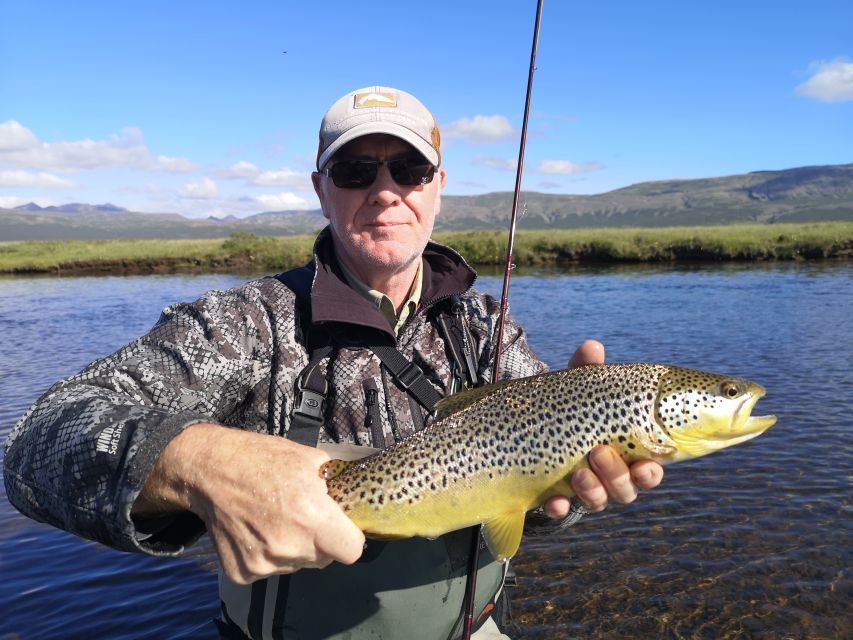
x=752 y=542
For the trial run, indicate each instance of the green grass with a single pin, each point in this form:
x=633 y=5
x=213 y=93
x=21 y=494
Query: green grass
x=241 y=251
x=667 y=244
x=248 y=252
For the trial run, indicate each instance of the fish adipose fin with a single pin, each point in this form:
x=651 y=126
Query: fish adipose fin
x=503 y=534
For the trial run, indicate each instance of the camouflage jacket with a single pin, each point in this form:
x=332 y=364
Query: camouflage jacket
x=79 y=458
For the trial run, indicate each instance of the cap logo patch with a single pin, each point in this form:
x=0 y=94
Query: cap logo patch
x=375 y=99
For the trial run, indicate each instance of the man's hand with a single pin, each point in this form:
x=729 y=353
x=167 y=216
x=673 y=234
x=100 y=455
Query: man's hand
x=608 y=476
x=261 y=497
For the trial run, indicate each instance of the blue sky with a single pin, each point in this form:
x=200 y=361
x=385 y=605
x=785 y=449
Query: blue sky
x=194 y=108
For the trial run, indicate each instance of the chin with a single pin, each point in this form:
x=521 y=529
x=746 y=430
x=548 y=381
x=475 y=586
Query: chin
x=391 y=253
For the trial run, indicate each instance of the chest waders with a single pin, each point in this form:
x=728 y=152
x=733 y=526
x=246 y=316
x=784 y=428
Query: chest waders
x=412 y=588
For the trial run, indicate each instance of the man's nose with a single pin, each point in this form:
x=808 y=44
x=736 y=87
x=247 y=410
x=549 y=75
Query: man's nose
x=384 y=190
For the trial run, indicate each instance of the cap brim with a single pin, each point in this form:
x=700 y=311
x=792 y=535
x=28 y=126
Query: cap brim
x=389 y=128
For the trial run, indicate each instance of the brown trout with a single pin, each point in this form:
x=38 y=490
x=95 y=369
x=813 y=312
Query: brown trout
x=495 y=452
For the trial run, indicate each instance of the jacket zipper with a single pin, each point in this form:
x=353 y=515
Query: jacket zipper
x=372 y=419
x=392 y=418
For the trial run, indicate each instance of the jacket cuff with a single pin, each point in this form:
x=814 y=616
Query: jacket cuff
x=538 y=523
x=165 y=535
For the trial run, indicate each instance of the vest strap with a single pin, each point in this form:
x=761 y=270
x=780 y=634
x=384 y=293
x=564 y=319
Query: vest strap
x=310 y=400
x=408 y=375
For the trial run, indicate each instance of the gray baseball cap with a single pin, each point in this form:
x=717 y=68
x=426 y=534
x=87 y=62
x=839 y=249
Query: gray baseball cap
x=379 y=110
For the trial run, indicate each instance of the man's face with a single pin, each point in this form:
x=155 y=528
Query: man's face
x=381 y=229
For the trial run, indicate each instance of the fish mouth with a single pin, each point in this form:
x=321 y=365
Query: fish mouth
x=747 y=425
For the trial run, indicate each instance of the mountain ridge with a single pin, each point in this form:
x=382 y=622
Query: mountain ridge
x=800 y=194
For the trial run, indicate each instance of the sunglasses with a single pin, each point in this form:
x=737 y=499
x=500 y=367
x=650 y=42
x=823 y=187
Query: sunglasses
x=359 y=174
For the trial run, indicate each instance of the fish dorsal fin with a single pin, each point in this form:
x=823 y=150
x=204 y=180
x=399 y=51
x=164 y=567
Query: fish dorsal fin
x=503 y=534
x=333 y=468
x=464 y=399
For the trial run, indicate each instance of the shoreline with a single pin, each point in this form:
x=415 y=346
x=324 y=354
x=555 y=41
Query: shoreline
x=248 y=253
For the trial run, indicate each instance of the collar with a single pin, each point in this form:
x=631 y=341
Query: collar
x=443 y=273
x=383 y=302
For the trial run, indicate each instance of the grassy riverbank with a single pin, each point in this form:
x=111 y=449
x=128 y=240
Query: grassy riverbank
x=247 y=252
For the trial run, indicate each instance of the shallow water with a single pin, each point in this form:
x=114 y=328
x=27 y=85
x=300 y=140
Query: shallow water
x=752 y=542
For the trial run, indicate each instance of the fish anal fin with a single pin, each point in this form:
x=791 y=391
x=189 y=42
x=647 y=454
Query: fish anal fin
x=333 y=468
x=503 y=534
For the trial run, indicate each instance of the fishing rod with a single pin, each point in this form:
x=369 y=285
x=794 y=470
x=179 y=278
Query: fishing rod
x=474 y=555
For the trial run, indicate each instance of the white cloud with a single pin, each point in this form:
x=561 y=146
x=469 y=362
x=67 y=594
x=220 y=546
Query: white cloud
x=175 y=165
x=504 y=164
x=565 y=168
x=123 y=149
x=203 y=189
x=283 y=201
x=283 y=178
x=240 y=169
x=29 y=179
x=21 y=148
x=830 y=81
x=14 y=136
x=479 y=130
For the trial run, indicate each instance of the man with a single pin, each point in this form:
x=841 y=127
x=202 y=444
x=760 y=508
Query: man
x=181 y=431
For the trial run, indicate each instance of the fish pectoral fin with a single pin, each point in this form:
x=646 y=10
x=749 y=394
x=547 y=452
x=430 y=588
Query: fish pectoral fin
x=333 y=468
x=503 y=534
x=663 y=445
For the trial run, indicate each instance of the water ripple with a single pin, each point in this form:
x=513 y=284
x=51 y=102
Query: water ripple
x=753 y=542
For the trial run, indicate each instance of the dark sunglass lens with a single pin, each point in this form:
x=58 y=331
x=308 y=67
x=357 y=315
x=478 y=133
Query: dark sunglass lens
x=409 y=173
x=353 y=174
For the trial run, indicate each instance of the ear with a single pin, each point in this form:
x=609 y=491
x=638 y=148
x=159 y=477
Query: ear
x=317 y=181
x=442 y=180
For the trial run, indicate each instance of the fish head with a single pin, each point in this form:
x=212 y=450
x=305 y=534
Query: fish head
x=704 y=412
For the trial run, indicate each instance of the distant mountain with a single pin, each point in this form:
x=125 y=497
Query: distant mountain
x=74 y=207
x=99 y=225
x=790 y=195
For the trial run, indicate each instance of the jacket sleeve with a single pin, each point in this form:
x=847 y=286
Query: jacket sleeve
x=79 y=458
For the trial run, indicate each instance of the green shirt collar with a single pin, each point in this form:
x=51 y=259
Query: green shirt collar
x=383 y=302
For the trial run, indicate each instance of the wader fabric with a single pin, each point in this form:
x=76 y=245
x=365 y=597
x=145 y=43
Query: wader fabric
x=409 y=589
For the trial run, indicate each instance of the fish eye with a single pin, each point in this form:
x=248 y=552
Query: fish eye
x=730 y=389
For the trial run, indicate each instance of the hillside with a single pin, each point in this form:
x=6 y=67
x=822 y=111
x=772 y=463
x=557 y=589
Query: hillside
x=803 y=194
